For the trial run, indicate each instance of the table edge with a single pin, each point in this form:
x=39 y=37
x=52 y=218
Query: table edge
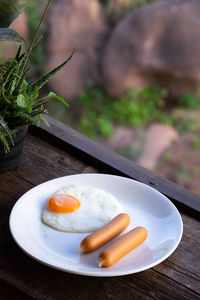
x=105 y=157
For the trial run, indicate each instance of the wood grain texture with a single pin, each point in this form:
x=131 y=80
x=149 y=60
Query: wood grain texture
x=162 y=282
x=178 y=277
x=109 y=159
x=7 y=291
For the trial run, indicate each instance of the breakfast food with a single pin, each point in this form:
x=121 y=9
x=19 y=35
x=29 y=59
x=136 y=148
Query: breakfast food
x=105 y=234
x=79 y=208
x=122 y=246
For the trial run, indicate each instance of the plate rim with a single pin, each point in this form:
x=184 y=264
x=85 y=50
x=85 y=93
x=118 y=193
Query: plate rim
x=92 y=273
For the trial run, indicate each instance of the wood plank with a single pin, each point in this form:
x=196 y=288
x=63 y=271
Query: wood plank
x=104 y=156
x=184 y=264
x=36 y=166
x=178 y=277
x=42 y=282
x=46 y=161
x=7 y=291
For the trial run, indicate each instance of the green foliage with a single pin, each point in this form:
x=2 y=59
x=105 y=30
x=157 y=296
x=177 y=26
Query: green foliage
x=131 y=151
x=99 y=113
x=32 y=11
x=116 y=9
x=184 y=174
x=187 y=125
x=190 y=100
x=167 y=155
x=9 y=10
x=38 y=55
x=19 y=101
x=196 y=142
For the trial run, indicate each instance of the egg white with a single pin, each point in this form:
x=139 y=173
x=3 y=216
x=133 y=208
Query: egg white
x=97 y=208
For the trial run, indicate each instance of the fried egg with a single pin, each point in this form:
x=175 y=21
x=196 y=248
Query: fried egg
x=78 y=208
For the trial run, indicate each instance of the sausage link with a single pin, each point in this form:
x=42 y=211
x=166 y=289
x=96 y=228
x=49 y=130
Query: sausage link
x=105 y=234
x=122 y=246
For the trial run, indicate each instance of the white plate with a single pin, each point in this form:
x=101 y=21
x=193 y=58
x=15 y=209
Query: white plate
x=146 y=207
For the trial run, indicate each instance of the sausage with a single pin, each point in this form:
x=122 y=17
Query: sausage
x=105 y=233
x=122 y=246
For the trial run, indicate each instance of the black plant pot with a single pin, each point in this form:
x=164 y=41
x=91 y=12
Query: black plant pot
x=11 y=160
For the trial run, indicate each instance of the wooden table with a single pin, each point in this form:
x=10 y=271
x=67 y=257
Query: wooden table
x=58 y=151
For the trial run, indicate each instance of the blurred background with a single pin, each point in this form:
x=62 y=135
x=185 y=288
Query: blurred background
x=134 y=81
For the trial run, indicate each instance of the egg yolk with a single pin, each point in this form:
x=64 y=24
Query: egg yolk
x=62 y=203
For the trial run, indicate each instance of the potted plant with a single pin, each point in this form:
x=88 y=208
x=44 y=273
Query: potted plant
x=20 y=104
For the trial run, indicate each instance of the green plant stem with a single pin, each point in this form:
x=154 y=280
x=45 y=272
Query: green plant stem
x=35 y=36
x=4 y=113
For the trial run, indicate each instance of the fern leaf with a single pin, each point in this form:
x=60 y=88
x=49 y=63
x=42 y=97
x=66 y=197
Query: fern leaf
x=37 y=112
x=45 y=78
x=4 y=142
x=5 y=129
x=19 y=85
x=3 y=96
x=52 y=95
x=18 y=52
x=35 y=106
x=26 y=118
x=45 y=121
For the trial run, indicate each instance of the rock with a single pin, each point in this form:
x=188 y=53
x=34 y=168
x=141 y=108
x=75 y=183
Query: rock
x=20 y=24
x=159 y=138
x=121 y=138
x=75 y=24
x=127 y=141
x=158 y=43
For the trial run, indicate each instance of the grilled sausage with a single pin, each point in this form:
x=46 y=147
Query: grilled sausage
x=105 y=234
x=122 y=246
